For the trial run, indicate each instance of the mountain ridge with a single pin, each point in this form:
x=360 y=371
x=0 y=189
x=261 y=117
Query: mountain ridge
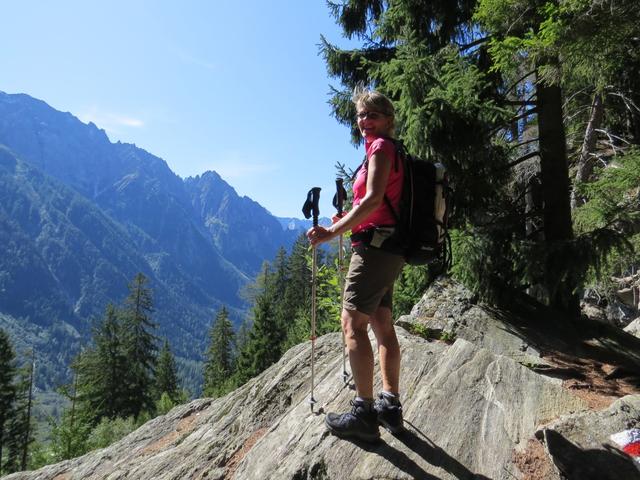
x=84 y=215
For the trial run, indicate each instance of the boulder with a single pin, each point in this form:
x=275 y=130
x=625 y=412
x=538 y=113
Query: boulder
x=580 y=445
x=450 y=308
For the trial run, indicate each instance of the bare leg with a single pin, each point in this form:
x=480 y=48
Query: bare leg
x=354 y=325
x=388 y=348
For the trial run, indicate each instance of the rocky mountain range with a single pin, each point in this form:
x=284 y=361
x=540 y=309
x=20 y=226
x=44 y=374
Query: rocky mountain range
x=80 y=216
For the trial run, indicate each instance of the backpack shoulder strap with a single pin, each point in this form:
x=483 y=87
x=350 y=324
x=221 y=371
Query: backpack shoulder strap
x=391 y=209
x=365 y=161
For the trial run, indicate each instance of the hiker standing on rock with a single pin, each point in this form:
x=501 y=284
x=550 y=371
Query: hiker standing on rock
x=372 y=272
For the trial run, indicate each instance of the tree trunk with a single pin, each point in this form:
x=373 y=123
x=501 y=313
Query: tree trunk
x=585 y=162
x=554 y=172
x=533 y=203
x=27 y=435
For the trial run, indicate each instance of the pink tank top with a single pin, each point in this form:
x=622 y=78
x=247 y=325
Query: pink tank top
x=382 y=216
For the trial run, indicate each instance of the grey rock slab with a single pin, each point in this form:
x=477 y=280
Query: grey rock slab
x=454 y=397
x=466 y=410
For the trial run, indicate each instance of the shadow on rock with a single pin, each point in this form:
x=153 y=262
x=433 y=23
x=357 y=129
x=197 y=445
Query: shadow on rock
x=549 y=331
x=417 y=442
x=594 y=464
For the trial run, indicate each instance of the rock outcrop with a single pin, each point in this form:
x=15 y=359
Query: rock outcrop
x=580 y=447
x=471 y=410
x=634 y=328
x=450 y=309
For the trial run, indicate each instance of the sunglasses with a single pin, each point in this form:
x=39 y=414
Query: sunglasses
x=371 y=115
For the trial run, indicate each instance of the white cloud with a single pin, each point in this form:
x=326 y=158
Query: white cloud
x=129 y=122
x=110 y=122
x=237 y=165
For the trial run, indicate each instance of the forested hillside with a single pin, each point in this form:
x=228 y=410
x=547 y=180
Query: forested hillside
x=81 y=216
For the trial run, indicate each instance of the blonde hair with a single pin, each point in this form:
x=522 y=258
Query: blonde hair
x=374 y=101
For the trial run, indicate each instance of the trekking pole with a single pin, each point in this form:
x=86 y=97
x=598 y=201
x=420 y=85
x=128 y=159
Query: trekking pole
x=338 y=201
x=311 y=208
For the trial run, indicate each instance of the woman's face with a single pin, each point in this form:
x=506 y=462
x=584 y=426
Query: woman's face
x=373 y=124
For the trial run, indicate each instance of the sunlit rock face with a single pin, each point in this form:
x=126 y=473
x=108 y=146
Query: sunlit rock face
x=467 y=411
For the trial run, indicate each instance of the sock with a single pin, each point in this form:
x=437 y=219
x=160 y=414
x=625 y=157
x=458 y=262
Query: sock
x=367 y=403
x=392 y=398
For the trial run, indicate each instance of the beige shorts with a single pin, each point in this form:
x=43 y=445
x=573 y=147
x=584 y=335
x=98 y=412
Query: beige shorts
x=369 y=282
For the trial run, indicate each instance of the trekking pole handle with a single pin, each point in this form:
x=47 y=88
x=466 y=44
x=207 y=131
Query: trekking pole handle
x=315 y=193
x=341 y=193
x=310 y=207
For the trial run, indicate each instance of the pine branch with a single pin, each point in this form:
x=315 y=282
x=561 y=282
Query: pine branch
x=522 y=103
x=529 y=112
x=571 y=97
x=514 y=119
x=571 y=116
x=475 y=43
x=523 y=159
x=629 y=103
x=517 y=82
x=611 y=138
x=513 y=147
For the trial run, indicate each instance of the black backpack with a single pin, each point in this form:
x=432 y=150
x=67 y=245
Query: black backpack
x=420 y=233
x=421 y=223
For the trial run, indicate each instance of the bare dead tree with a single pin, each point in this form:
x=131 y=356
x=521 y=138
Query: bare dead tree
x=585 y=161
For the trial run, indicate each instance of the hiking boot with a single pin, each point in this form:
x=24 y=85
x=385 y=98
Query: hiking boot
x=361 y=423
x=389 y=412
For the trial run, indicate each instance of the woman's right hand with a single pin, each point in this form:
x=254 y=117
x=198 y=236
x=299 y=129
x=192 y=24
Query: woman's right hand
x=319 y=234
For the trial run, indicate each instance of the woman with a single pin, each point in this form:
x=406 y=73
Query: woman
x=372 y=272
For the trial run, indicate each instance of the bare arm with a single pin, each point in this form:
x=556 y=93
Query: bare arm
x=379 y=168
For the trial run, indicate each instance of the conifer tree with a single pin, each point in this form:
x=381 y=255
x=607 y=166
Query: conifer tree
x=241 y=337
x=166 y=374
x=69 y=434
x=427 y=58
x=576 y=50
x=483 y=87
x=280 y=275
x=267 y=334
x=21 y=426
x=7 y=392
x=298 y=290
x=219 y=364
x=103 y=369
x=296 y=303
x=263 y=346
x=28 y=433
x=139 y=347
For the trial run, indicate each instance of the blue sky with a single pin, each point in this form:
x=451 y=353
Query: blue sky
x=235 y=87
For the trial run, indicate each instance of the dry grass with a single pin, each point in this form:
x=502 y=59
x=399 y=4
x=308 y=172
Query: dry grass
x=534 y=463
